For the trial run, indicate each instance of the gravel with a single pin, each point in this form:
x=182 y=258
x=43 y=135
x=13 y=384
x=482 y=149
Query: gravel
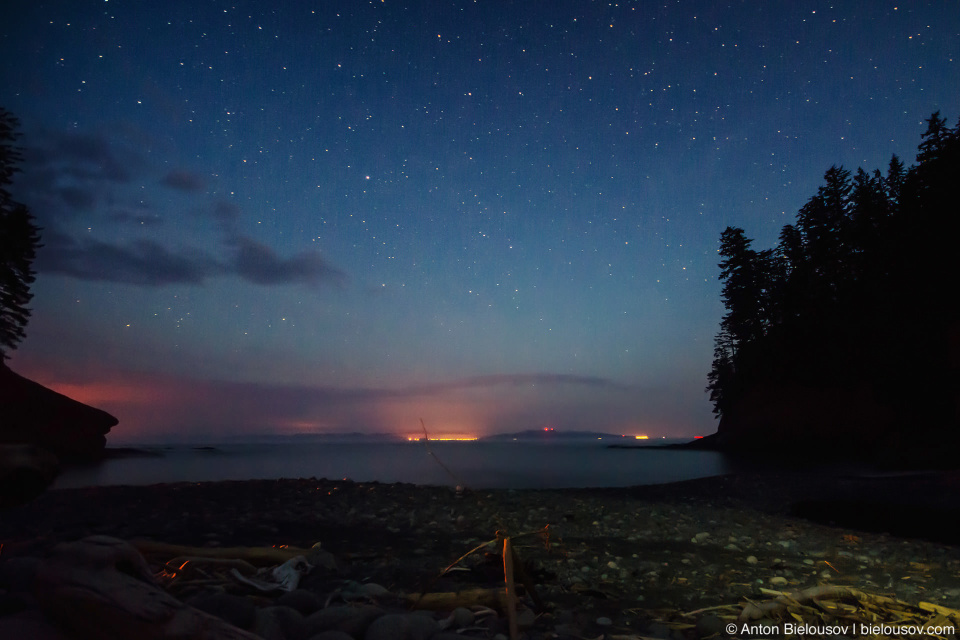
x=603 y=561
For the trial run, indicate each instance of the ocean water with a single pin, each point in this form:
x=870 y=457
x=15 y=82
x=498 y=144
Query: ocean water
x=477 y=465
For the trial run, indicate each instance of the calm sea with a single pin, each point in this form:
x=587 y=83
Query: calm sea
x=478 y=465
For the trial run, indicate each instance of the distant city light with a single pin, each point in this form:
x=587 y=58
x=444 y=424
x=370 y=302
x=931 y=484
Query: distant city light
x=444 y=437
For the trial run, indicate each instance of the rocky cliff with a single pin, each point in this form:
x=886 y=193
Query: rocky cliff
x=33 y=414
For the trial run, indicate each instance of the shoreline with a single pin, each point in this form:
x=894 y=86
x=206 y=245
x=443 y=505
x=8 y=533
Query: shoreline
x=777 y=493
x=617 y=553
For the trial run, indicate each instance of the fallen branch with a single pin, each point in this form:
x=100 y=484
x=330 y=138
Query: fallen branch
x=186 y=564
x=511 y=589
x=444 y=601
x=262 y=556
x=426 y=443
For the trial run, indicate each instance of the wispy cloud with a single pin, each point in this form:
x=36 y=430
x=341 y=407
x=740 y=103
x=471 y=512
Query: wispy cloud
x=258 y=263
x=144 y=218
x=150 y=264
x=140 y=262
x=85 y=156
x=184 y=181
x=159 y=404
x=530 y=380
x=77 y=182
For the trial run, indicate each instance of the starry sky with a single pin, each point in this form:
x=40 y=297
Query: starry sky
x=347 y=216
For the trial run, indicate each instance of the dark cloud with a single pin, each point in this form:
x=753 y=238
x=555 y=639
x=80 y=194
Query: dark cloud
x=147 y=263
x=226 y=215
x=258 y=263
x=518 y=379
x=71 y=174
x=140 y=262
x=66 y=174
x=78 y=197
x=184 y=181
x=226 y=211
x=141 y=218
x=86 y=156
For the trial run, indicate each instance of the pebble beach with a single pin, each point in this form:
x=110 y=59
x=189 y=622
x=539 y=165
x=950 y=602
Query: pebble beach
x=649 y=561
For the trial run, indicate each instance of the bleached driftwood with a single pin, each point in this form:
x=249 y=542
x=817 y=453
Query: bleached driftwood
x=100 y=588
x=782 y=601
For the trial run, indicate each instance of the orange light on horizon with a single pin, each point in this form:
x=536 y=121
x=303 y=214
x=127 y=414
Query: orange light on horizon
x=444 y=437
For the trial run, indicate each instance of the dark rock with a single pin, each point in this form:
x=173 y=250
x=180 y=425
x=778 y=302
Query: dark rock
x=306 y=602
x=34 y=414
x=397 y=626
x=393 y=626
x=280 y=623
x=268 y=627
x=422 y=625
x=658 y=630
x=30 y=624
x=462 y=617
x=237 y=610
x=340 y=635
x=352 y=620
x=526 y=619
x=25 y=472
x=11 y=603
x=17 y=574
x=710 y=626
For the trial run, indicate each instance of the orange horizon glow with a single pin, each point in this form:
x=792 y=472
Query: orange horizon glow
x=444 y=437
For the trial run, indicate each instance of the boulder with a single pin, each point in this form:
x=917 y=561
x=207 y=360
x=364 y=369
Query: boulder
x=30 y=413
x=25 y=472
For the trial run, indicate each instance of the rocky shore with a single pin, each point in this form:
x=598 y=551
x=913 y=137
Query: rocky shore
x=627 y=562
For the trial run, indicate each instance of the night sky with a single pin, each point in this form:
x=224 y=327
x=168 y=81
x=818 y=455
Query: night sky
x=348 y=216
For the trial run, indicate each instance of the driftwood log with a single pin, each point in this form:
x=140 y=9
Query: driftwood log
x=259 y=556
x=100 y=588
x=495 y=598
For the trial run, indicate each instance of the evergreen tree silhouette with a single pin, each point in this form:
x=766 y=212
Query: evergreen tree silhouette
x=19 y=241
x=858 y=295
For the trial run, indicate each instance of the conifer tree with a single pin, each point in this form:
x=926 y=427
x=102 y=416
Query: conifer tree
x=858 y=294
x=935 y=138
x=19 y=241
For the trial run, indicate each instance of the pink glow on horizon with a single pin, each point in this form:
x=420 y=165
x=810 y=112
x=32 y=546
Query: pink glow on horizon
x=108 y=393
x=154 y=407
